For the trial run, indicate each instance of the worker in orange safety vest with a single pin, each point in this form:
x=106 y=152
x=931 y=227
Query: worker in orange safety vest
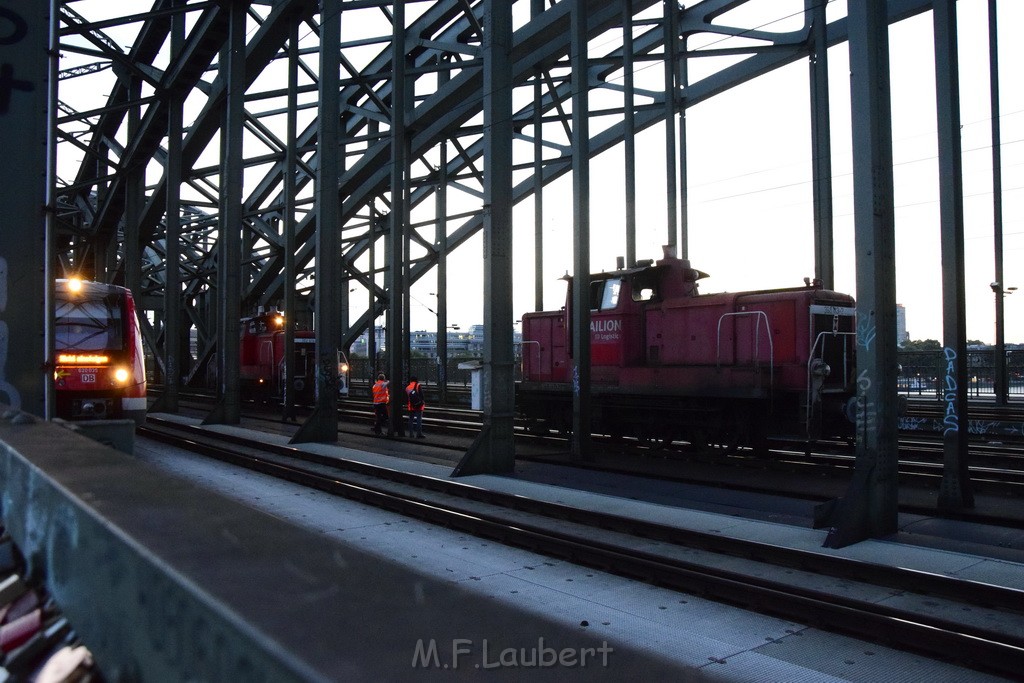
x=415 y=404
x=381 y=397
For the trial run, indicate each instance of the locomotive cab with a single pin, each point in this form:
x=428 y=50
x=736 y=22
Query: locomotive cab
x=618 y=304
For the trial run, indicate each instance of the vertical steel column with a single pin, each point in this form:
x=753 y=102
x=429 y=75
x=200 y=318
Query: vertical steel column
x=580 y=314
x=397 y=224
x=322 y=425
x=536 y=8
x=371 y=333
x=441 y=241
x=168 y=401
x=107 y=262
x=40 y=397
x=373 y=129
x=135 y=197
x=629 y=130
x=955 y=490
x=821 y=143
x=684 y=182
x=999 y=285
x=407 y=232
x=96 y=252
x=494 y=449
x=229 y=243
x=869 y=507
x=288 y=226
x=671 y=28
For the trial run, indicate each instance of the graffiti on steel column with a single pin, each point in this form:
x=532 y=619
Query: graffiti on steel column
x=865 y=334
x=13 y=398
x=867 y=414
x=13 y=29
x=867 y=411
x=329 y=372
x=951 y=419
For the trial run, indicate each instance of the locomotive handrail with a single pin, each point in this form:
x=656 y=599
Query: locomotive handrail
x=818 y=339
x=522 y=356
x=757 y=343
x=810 y=360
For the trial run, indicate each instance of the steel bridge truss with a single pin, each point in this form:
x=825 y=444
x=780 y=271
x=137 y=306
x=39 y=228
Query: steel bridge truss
x=327 y=156
x=113 y=213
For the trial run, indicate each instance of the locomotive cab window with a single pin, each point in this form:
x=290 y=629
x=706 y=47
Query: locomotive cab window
x=604 y=294
x=645 y=286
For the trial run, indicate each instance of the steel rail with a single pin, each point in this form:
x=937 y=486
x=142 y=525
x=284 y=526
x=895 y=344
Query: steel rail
x=457 y=505
x=918 y=464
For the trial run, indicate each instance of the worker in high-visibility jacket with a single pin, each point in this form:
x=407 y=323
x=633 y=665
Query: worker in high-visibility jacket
x=381 y=397
x=415 y=404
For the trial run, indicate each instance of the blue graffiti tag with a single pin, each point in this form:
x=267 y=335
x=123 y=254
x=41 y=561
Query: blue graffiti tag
x=865 y=334
x=952 y=419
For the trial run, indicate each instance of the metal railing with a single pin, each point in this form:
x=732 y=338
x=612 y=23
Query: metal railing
x=922 y=373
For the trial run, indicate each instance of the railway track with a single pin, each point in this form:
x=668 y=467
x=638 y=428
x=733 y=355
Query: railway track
x=997 y=467
x=974 y=624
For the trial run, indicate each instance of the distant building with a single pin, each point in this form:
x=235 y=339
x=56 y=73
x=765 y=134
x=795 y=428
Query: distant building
x=423 y=343
x=902 y=335
x=361 y=346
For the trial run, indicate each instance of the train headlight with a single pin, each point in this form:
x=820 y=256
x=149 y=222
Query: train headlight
x=343 y=368
x=121 y=375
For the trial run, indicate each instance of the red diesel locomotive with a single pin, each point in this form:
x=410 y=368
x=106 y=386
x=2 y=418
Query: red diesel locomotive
x=668 y=363
x=99 y=371
x=262 y=359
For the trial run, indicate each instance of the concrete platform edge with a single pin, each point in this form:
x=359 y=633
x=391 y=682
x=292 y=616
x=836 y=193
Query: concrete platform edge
x=157 y=622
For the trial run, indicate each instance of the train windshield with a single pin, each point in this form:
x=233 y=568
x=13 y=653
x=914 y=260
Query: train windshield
x=89 y=323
